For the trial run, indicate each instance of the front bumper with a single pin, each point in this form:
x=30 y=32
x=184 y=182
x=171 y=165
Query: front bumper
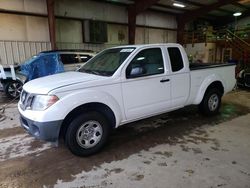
x=48 y=131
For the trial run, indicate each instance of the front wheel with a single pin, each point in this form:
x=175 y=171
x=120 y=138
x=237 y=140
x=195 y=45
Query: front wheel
x=87 y=134
x=13 y=89
x=211 y=102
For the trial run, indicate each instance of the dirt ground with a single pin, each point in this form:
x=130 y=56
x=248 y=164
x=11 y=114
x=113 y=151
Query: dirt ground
x=177 y=149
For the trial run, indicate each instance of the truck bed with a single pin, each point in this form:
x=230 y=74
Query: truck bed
x=198 y=66
x=201 y=73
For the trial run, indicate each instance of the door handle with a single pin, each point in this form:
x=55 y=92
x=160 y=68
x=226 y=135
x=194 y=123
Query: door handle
x=165 y=80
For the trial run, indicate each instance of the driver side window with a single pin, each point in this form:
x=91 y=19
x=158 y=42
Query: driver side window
x=146 y=63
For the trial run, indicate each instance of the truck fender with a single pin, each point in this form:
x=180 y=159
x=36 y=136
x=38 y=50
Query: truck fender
x=76 y=99
x=205 y=84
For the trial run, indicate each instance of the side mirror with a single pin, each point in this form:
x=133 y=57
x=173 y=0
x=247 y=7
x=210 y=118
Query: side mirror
x=136 y=72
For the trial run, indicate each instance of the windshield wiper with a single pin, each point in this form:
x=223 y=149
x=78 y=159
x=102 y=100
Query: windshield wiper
x=91 y=71
x=95 y=72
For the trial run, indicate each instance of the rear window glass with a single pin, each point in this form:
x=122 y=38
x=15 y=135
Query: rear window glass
x=176 y=60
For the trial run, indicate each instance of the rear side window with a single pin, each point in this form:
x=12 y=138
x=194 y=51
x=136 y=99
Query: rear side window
x=69 y=58
x=176 y=60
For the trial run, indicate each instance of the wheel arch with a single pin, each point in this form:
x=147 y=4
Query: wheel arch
x=92 y=106
x=216 y=84
x=206 y=87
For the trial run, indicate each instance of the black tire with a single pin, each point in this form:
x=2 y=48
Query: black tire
x=75 y=129
x=13 y=89
x=207 y=108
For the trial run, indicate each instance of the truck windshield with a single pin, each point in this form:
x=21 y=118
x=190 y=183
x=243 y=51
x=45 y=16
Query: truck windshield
x=107 y=62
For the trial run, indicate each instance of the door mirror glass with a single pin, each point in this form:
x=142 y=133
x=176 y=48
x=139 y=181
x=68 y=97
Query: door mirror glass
x=136 y=72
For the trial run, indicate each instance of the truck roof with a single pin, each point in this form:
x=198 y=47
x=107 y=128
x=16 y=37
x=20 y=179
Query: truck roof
x=149 y=45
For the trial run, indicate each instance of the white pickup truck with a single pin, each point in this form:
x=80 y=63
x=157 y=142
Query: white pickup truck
x=118 y=86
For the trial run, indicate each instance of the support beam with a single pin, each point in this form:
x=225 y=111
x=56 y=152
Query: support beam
x=133 y=10
x=180 y=31
x=131 y=25
x=51 y=21
x=142 y=5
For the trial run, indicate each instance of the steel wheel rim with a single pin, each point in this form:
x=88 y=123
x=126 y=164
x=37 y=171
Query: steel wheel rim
x=213 y=102
x=15 y=89
x=89 y=134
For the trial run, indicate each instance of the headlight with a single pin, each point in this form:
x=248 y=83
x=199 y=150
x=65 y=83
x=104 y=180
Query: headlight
x=42 y=102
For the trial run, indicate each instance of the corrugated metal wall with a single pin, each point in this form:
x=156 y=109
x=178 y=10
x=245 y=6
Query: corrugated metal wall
x=84 y=46
x=16 y=52
x=12 y=52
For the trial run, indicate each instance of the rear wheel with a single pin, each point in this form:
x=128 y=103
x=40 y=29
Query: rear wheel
x=211 y=102
x=87 y=134
x=13 y=89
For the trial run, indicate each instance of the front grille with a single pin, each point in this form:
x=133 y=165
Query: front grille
x=26 y=100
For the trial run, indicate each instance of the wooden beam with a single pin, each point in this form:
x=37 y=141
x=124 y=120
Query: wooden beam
x=133 y=10
x=131 y=25
x=51 y=21
x=142 y=5
x=180 y=30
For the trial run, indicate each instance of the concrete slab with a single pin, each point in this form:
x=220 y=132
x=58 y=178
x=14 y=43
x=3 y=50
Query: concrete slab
x=211 y=156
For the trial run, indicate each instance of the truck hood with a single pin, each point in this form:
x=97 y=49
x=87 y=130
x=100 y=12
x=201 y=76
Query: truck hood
x=48 y=83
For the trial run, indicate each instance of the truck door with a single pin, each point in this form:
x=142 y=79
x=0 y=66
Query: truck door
x=146 y=88
x=180 y=77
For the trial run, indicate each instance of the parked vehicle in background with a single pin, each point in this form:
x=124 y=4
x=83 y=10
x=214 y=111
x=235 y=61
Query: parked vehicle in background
x=243 y=79
x=42 y=64
x=73 y=59
x=118 y=86
x=12 y=80
x=243 y=74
